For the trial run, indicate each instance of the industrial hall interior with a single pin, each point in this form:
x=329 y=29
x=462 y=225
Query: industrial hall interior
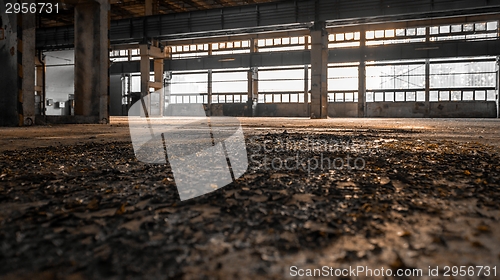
x=249 y=139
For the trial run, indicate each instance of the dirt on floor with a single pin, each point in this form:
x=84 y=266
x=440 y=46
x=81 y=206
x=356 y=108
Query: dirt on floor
x=346 y=198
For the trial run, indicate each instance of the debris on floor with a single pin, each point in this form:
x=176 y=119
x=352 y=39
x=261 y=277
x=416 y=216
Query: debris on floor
x=92 y=211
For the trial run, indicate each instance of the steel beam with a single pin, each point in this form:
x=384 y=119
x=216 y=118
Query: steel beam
x=269 y=16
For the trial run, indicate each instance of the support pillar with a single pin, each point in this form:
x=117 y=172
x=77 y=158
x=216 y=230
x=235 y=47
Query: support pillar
x=39 y=85
x=362 y=76
x=306 y=81
x=253 y=83
x=150 y=7
x=498 y=87
x=209 y=93
x=92 y=61
x=319 y=68
x=427 y=89
x=167 y=91
x=17 y=74
x=253 y=90
x=427 y=74
x=209 y=86
x=158 y=55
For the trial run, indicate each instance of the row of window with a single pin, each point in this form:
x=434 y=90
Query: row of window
x=478 y=30
x=371 y=96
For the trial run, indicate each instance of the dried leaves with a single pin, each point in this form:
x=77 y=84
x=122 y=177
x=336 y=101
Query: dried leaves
x=94 y=208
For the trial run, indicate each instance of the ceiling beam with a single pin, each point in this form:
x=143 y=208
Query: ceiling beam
x=173 y=6
x=120 y=11
x=197 y=4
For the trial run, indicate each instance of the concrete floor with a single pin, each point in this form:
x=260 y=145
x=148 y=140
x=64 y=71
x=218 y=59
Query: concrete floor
x=485 y=131
x=81 y=209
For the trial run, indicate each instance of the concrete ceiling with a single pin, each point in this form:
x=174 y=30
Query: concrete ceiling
x=121 y=9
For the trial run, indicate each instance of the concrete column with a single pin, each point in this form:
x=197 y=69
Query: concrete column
x=17 y=74
x=209 y=93
x=306 y=82
x=319 y=68
x=427 y=73
x=145 y=78
x=158 y=55
x=168 y=89
x=27 y=97
x=253 y=82
x=427 y=89
x=9 y=70
x=498 y=87
x=40 y=83
x=158 y=79
x=92 y=61
x=150 y=7
x=209 y=86
x=362 y=75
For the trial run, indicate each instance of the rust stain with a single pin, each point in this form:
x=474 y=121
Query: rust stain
x=12 y=51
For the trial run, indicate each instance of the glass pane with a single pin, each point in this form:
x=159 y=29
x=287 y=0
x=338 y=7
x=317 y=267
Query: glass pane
x=411 y=31
x=277 y=98
x=229 y=98
x=400 y=96
x=456 y=28
x=468 y=95
x=480 y=26
x=480 y=95
x=339 y=97
x=294 y=97
x=369 y=97
x=492 y=25
x=420 y=96
x=444 y=29
x=491 y=95
x=285 y=98
x=260 y=98
x=301 y=98
x=456 y=95
x=410 y=96
x=433 y=96
x=331 y=97
x=444 y=95
x=370 y=35
x=349 y=97
x=468 y=27
x=434 y=30
x=269 y=98
x=379 y=96
x=389 y=96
